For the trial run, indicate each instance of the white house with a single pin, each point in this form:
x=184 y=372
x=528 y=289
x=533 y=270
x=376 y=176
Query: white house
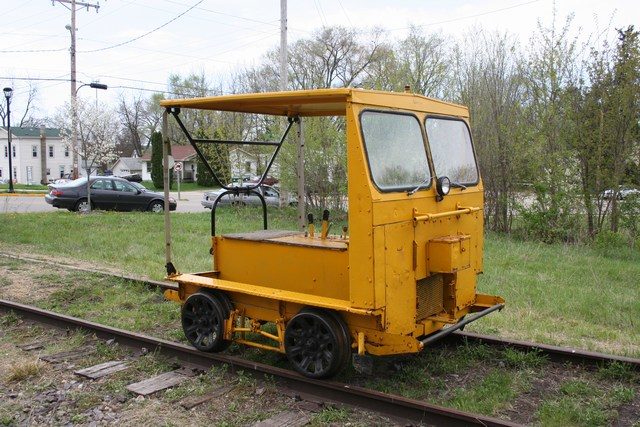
x=244 y=163
x=180 y=153
x=38 y=155
x=127 y=166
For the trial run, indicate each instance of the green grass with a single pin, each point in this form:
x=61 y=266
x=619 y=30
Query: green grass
x=24 y=187
x=584 y=403
x=558 y=294
x=563 y=294
x=118 y=303
x=490 y=394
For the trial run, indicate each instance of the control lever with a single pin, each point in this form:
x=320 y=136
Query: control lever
x=312 y=227
x=325 y=224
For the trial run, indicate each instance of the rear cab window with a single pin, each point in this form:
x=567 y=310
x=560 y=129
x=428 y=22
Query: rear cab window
x=395 y=150
x=451 y=150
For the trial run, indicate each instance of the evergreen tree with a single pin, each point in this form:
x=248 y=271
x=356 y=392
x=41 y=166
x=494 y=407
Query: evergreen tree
x=157 y=175
x=218 y=157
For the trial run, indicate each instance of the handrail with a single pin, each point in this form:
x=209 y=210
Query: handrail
x=460 y=210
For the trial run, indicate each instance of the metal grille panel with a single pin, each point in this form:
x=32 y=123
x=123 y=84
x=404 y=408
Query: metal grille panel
x=430 y=296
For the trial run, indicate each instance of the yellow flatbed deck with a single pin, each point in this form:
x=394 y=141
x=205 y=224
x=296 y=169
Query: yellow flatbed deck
x=206 y=280
x=293 y=238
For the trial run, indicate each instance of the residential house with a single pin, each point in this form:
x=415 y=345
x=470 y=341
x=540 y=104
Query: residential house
x=180 y=153
x=245 y=163
x=38 y=155
x=127 y=166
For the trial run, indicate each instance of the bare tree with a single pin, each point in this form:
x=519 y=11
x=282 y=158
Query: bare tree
x=424 y=62
x=27 y=108
x=487 y=77
x=139 y=117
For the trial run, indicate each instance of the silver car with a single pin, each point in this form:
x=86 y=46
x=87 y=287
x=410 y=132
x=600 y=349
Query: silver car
x=270 y=194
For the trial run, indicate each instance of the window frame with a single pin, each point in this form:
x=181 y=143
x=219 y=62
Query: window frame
x=473 y=146
x=34 y=151
x=425 y=145
x=50 y=151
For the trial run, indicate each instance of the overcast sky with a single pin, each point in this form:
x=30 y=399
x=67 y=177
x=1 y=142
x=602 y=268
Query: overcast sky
x=127 y=44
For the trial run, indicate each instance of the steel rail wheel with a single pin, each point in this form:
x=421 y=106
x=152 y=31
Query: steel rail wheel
x=315 y=344
x=203 y=318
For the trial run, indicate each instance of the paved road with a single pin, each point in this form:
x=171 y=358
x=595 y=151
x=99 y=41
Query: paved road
x=189 y=202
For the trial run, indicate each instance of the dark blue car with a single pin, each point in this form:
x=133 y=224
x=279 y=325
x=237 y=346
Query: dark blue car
x=107 y=192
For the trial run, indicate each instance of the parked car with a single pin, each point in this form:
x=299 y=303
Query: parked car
x=623 y=193
x=107 y=192
x=269 y=180
x=270 y=194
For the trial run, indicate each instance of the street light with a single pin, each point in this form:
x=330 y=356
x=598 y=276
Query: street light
x=93 y=85
x=74 y=120
x=7 y=94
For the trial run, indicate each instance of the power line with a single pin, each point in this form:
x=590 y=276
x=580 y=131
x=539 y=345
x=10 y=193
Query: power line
x=34 y=50
x=345 y=13
x=468 y=16
x=145 y=34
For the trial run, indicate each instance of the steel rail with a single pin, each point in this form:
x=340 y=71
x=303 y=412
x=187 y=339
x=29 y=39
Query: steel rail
x=555 y=353
x=386 y=404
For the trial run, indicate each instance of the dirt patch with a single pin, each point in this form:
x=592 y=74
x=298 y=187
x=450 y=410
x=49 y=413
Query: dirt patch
x=27 y=282
x=545 y=382
x=629 y=415
x=56 y=261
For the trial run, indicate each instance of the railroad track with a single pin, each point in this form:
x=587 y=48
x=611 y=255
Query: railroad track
x=389 y=405
x=554 y=353
x=393 y=406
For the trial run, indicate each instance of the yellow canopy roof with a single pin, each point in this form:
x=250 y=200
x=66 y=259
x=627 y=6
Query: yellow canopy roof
x=316 y=102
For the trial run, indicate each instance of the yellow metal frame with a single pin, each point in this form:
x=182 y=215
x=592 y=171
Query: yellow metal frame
x=397 y=244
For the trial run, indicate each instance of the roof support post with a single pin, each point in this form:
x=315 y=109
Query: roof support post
x=300 y=173
x=165 y=172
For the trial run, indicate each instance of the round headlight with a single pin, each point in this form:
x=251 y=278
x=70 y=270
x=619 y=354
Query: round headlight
x=443 y=186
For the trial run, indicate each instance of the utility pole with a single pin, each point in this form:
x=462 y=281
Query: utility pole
x=283 y=45
x=283 y=87
x=74 y=116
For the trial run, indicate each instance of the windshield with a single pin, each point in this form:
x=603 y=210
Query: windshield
x=395 y=150
x=451 y=149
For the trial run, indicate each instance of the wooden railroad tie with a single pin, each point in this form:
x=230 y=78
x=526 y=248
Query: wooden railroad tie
x=102 y=369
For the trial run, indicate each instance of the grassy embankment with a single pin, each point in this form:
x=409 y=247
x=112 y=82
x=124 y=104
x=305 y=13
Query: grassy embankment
x=558 y=294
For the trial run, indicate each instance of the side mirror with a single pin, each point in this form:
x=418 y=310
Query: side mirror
x=443 y=185
x=138 y=191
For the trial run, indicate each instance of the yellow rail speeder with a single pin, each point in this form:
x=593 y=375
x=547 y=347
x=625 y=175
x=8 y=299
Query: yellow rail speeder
x=402 y=276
